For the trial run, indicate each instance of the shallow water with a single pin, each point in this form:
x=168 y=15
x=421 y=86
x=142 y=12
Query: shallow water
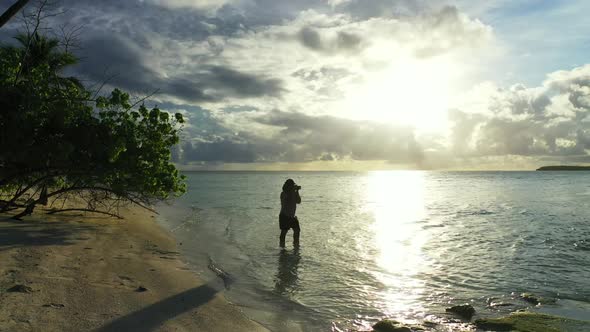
x=401 y=244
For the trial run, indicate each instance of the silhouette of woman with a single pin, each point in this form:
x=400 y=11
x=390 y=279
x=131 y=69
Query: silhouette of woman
x=287 y=219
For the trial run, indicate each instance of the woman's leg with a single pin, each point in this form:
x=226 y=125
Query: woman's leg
x=282 y=237
x=296 y=231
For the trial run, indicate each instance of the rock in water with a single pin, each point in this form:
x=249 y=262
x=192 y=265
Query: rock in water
x=388 y=325
x=465 y=311
x=536 y=300
x=530 y=298
x=531 y=322
x=20 y=289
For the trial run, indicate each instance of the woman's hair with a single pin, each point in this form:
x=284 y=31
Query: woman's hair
x=288 y=184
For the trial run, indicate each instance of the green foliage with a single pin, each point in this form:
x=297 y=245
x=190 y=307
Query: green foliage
x=54 y=135
x=138 y=147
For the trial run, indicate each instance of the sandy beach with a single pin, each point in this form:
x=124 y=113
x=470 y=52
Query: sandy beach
x=82 y=272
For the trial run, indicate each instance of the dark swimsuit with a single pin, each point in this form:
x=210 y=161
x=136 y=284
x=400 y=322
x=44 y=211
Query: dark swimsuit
x=286 y=222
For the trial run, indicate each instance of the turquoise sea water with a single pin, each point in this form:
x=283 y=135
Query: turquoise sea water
x=399 y=244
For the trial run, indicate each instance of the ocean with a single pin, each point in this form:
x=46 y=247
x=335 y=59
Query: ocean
x=389 y=244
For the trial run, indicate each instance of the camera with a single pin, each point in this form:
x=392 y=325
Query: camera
x=297 y=187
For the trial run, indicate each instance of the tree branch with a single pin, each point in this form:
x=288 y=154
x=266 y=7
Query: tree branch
x=86 y=210
x=11 y=11
x=123 y=196
x=144 y=98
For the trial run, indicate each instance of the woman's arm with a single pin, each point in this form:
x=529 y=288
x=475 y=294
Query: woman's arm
x=297 y=197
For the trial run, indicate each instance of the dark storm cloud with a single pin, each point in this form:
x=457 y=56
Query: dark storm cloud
x=360 y=140
x=104 y=57
x=254 y=13
x=343 y=41
x=243 y=84
x=204 y=139
x=311 y=38
x=7 y=35
x=185 y=22
x=221 y=151
x=118 y=41
x=139 y=19
x=303 y=138
x=123 y=63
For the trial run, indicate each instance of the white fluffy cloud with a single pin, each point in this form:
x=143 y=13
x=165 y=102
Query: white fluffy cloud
x=549 y=122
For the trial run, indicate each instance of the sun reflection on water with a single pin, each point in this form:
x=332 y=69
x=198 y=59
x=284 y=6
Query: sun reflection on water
x=397 y=202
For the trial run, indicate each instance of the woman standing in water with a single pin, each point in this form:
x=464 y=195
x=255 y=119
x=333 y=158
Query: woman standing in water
x=287 y=219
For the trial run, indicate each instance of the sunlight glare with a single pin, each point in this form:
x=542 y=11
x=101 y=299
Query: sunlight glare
x=397 y=201
x=413 y=92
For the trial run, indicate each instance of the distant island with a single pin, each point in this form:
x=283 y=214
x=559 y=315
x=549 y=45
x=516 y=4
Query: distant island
x=564 y=168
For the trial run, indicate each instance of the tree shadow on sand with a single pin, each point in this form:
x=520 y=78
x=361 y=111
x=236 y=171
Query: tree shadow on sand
x=154 y=315
x=27 y=233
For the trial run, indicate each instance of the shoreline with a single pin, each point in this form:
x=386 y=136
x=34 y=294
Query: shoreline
x=83 y=272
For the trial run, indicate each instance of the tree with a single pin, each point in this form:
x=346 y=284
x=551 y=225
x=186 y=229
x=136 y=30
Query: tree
x=58 y=142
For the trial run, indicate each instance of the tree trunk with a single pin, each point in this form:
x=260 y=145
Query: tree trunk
x=11 y=11
x=27 y=212
x=43 y=196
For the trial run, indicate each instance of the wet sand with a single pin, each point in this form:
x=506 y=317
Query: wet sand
x=82 y=272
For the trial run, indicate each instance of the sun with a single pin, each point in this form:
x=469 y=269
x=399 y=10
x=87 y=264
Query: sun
x=412 y=92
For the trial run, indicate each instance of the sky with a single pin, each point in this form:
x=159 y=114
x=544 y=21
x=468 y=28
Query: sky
x=349 y=84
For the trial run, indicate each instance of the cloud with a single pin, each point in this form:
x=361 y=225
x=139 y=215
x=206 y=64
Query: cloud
x=123 y=63
x=341 y=41
x=294 y=81
x=220 y=151
x=296 y=137
x=310 y=38
x=366 y=9
x=242 y=84
x=201 y=4
x=449 y=29
x=550 y=121
x=325 y=58
x=245 y=52
x=305 y=64
x=520 y=127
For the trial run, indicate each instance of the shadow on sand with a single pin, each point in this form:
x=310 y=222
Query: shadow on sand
x=154 y=315
x=25 y=233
